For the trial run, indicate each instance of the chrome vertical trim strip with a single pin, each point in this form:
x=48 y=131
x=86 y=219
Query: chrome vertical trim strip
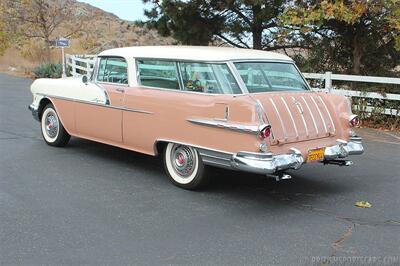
x=291 y=117
x=320 y=114
x=237 y=77
x=312 y=116
x=180 y=78
x=280 y=118
x=329 y=114
x=298 y=105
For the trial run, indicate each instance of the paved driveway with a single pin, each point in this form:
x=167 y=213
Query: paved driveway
x=93 y=204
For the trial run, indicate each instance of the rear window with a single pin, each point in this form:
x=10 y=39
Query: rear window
x=270 y=76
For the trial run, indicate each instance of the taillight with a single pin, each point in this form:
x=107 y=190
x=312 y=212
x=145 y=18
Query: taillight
x=265 y=132
x=354 y=121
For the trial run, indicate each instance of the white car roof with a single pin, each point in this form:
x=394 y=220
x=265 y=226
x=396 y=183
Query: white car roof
x=196 y=53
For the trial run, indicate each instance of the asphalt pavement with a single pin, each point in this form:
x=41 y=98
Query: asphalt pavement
x=93 y=204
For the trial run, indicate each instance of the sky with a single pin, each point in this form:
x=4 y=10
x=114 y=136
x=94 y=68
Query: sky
x=125 y=9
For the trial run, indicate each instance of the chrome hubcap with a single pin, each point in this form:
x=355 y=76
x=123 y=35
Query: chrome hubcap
x=51 y=124
x=183 y=160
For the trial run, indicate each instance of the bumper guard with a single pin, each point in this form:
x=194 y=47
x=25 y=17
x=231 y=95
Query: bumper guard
x=35 y=112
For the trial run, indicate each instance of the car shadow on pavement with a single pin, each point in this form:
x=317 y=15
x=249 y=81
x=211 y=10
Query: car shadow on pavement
x=305 y=187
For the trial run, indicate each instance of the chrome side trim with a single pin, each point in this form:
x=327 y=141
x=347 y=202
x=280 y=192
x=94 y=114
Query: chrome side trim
x=96 y=104
x=329 y=114
x=312 y=116
x=280 y=119
x=291 y=117
x=187 y=144
x=226 y=125
x=320 y=114
x=214 y=158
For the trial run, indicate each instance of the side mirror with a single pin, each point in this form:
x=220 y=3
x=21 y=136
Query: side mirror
x=85 y=79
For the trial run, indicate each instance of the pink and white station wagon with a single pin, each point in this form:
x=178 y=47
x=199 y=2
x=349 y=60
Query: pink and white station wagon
x=200 y=106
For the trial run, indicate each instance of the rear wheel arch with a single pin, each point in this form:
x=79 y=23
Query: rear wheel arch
x=159 y=147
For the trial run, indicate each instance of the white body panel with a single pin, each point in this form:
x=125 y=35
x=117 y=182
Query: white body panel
x=70 y=88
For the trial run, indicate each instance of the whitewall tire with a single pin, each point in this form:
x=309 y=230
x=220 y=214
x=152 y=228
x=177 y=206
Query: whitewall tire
x=53 y=132
x=184 y=166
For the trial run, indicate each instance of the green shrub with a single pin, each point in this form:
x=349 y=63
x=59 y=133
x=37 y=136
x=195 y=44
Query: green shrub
x=48 y=70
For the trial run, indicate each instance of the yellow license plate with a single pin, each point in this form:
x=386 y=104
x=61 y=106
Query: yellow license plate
x=316 y=155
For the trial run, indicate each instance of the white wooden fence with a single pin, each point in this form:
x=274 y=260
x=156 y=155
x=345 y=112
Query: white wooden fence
x=328 y=77
x=80 y=65
x=83 y=65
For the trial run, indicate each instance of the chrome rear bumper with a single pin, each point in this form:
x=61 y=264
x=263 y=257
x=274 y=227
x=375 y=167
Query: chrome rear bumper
x=268 y=163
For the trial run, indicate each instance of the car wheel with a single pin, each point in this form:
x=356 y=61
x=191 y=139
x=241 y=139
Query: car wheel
x=184 y=166
x=53 y=131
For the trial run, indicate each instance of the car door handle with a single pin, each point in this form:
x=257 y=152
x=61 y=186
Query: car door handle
x=120 y=90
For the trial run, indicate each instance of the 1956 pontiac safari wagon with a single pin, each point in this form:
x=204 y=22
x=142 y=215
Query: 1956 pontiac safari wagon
x=199 y=106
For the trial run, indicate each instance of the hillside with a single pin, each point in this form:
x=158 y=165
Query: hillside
x=99 y=30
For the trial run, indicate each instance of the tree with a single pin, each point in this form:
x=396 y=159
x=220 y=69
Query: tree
x=244 y=24
x=359 y=36
x=38 y=19
x=5 y=35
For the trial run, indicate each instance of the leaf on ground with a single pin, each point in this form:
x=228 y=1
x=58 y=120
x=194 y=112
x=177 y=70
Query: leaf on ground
x=363 y=204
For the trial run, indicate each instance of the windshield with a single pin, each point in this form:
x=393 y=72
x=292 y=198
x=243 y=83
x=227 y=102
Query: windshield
x=270 y=76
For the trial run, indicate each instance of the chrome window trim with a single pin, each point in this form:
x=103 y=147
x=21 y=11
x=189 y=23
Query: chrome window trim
x=112 y=83
x=237 y=77
x=180 y=77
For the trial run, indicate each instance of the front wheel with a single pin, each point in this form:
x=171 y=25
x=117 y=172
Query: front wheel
x=184 y=166
x=53 y=132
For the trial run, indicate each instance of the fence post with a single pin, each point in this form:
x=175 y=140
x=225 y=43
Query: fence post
x=328 y=81
x=73 y=68
x=88 y=68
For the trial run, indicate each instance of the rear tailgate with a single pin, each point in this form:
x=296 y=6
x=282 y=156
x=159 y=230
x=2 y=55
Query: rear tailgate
x=297 y=116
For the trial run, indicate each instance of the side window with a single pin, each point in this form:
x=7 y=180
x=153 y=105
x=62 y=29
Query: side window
x=208 y=78
x=158 y=73
x=113 y=70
